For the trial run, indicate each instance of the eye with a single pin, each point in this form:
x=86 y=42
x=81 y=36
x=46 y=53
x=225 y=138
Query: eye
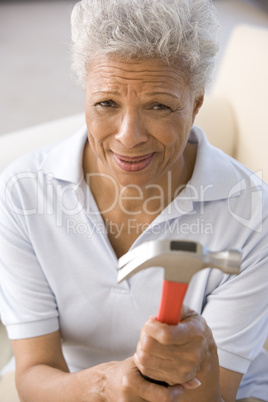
x=107 y=103
x=160 y=106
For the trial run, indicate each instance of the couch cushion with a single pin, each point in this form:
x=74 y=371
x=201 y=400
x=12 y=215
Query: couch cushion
x=216 y=118
x=242 y=80
x=14 y=144
x=8 y=392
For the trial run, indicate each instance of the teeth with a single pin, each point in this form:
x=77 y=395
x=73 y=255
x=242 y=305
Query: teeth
x=140 y=160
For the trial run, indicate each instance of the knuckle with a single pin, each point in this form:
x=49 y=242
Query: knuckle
x=126 y=384
x=143 y=357
x=195 y=356
x=145 y=342
x=183 y=376
x=146 y=372
x=146 y=351
x=166 y=336
x=185 y=373
x=197 y=328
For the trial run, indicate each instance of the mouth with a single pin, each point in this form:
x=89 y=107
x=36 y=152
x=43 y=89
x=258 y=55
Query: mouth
x=133 y=163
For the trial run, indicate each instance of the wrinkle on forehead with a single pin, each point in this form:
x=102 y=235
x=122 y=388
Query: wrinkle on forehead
x=141 y=67
x=111 y=75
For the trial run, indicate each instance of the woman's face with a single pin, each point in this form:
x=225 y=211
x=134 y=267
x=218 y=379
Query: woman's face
x=139 y=114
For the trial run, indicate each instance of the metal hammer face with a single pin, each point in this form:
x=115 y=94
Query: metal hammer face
x=180 y=260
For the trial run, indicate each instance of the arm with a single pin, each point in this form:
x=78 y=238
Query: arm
x=179 y=354
x=229 y=384
x=42 y=375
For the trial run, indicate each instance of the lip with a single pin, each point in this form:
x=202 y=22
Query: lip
x=133 y=163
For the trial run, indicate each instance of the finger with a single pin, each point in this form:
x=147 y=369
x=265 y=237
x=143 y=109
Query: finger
x=152 y=392
x=160 y=367
x=151 y=347
x=193 y=327
x=182 y=374
x=186 y=311
x=153 y=371
x=175 y=364
x=153 y=354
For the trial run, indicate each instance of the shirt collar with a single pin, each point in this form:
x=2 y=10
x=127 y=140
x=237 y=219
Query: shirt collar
x=64 y=161
x=215 y=175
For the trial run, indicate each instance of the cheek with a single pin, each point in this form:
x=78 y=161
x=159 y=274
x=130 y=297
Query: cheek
x=171 y=134
x=99 y=127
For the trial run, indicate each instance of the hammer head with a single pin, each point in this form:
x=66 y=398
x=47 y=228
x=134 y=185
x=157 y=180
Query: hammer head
x=180 y=260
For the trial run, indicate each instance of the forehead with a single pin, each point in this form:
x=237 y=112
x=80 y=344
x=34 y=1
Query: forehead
x=110 y=72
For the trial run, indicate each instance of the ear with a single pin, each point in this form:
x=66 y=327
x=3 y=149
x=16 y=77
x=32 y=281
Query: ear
x=198 y=102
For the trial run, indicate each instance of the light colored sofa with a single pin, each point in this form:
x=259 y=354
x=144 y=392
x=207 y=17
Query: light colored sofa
x=234 y=117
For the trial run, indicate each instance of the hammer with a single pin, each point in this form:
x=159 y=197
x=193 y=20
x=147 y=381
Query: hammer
x=180 y=260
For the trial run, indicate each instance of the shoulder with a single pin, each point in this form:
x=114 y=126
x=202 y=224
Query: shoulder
x=224 y=174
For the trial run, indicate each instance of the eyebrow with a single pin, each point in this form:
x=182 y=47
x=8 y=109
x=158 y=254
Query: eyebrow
x=148 y=94
x=106 y=92
x=162 y=93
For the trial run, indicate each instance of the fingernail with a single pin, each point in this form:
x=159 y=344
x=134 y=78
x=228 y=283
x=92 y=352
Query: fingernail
x=192 y=384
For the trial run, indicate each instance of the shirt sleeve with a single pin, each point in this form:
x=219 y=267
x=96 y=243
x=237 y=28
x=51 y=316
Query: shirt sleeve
x=27 y=305
x=237 y=311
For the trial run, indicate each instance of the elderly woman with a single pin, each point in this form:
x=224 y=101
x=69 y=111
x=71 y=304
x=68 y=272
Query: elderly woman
x=138 y=171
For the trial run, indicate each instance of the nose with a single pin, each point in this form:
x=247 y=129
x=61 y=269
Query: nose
x=132 y=130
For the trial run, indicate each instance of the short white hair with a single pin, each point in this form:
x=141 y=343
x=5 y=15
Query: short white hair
x=179 y=32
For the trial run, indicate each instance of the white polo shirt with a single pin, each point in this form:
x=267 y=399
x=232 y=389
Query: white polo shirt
x=58 y=269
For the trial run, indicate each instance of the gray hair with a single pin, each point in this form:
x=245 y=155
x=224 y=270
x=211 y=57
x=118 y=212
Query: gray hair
x=179 y=32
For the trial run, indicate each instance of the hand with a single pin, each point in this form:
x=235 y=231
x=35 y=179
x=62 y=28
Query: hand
x=176 y=354
x=124 y=383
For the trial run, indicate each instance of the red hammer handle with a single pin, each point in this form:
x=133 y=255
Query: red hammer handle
x=170 y=309
x=171 y=302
